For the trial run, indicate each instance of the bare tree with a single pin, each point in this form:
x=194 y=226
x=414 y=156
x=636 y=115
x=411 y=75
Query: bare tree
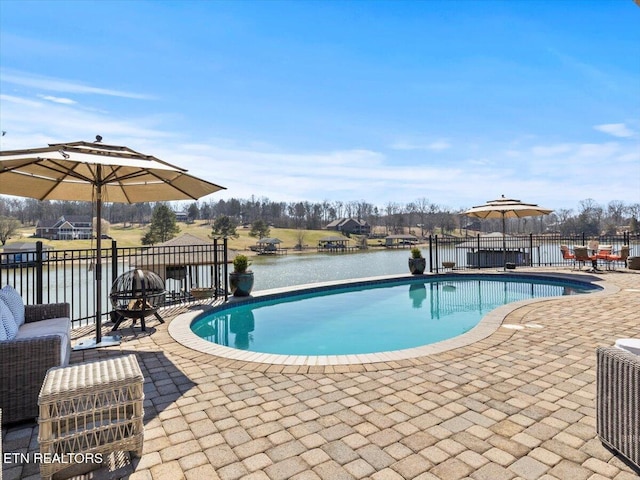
x=422 y=207
x=8 y=227
x=300 y=237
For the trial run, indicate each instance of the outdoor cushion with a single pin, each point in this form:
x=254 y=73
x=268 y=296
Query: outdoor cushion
x=7 y=320
x=631 y=345
x=14 y=301
x=51 y=326
x=4 y=313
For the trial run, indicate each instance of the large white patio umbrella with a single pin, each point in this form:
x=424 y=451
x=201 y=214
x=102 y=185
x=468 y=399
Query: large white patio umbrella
x=506 y=208
x=98 y=173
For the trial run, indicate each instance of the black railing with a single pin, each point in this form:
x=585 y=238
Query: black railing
x=52 y=276
x=486 y=251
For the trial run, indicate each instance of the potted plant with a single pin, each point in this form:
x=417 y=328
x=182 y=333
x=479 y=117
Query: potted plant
x=241 y=279
x=417 y=263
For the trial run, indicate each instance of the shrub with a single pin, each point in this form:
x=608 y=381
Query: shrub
x=241 y=263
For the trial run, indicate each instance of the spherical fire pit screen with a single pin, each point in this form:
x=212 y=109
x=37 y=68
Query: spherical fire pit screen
x=137 y=294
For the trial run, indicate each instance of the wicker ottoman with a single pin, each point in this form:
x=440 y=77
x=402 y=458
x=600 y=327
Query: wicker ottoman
x=618 y=401
x=633 y=263
x=90 y=410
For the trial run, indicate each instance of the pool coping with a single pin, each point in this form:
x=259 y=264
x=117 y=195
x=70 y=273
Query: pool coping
x=180 y=327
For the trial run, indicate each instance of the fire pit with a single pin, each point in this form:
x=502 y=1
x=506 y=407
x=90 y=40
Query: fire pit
x=136 y=294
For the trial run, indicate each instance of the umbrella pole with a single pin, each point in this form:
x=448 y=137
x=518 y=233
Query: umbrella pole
x=504 y=243
x=99 y=262
x=99 y=341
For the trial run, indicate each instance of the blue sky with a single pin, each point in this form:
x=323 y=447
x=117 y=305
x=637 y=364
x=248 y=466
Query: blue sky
x=454 y=101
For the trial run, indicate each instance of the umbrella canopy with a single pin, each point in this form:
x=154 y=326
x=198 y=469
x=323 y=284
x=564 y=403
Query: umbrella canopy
x=76 y=171
x=95 y=172
x=506 y=208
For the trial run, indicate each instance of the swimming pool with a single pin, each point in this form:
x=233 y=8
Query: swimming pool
x=367 y=317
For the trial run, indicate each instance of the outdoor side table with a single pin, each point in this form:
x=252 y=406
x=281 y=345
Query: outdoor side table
x=90 y=408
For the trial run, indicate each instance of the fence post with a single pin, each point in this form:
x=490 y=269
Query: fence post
x=216 y=269
x=39 y=271
x=478 y=257
x=225 y=265
x=114 y=261
x=531 y=251
x=437 y=261
x=430 y=254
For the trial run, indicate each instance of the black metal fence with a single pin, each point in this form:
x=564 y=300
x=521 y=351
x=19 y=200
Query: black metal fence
x=52 y=276
x=487 y=251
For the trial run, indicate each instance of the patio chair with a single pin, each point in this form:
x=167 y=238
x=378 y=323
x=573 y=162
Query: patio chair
x=603 y=253
x=567 y=255
x=582 y=256
x=622 y=257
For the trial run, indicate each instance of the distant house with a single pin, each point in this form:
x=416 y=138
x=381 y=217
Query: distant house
x=473 y=225
x=349 y=226
x=67 y=227
x=21 y=253
x=182 y=216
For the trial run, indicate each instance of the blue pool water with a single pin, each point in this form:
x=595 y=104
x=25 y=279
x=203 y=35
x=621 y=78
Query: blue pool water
x=368 y=318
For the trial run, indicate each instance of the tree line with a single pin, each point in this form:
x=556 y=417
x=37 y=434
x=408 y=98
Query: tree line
x=420 y=217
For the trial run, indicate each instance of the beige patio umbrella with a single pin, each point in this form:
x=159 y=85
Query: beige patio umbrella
x=95 y=172
x=506 y=208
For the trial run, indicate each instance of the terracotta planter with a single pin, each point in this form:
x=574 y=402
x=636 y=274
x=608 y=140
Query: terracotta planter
x=417 y=265
x=241 y=283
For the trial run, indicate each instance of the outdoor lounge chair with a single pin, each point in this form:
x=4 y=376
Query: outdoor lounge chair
x=618 y=401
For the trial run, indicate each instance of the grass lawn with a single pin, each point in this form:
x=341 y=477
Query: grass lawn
x=130 y=236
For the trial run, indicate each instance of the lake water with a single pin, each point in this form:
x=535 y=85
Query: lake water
x=297 y=269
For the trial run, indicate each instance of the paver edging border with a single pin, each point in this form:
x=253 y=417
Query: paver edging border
x=488 y=327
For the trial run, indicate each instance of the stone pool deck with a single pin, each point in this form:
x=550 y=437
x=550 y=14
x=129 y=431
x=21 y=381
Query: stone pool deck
x=518 y=404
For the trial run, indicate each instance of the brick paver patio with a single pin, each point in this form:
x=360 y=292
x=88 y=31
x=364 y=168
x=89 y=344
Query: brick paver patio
x=519 y=404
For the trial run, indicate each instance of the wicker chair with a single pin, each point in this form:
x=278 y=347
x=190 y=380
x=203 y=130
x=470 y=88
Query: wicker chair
x=24 y=363
x=618 y=401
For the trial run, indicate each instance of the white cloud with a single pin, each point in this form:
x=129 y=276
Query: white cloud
x=56 y=85
x=19 y=100
x=615 y=129
x=435 y=146
x=65 y=101
x=598 y=150
x=551 y=150
x=31 y=123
